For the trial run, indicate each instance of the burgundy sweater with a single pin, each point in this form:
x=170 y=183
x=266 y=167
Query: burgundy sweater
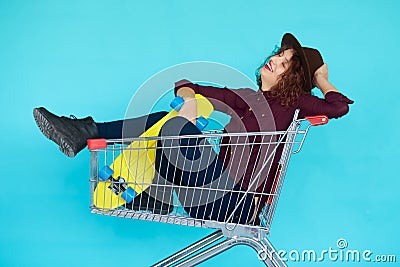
x=255 y=111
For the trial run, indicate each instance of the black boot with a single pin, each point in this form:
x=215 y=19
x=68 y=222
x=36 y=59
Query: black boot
x=71 y=134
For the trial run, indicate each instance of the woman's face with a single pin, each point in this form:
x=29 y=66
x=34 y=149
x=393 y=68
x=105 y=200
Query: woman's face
x=277 y=65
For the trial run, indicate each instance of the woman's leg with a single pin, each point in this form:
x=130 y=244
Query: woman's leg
x=128 y=128
x=71 y=134
x=205 y=189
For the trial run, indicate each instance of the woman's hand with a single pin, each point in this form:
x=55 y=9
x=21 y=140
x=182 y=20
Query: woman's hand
x=321 y=80
x=189 y=108
x=320 y=75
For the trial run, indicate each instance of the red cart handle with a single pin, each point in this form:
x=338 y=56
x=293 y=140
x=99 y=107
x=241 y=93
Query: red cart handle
x=96 y=143
x=317 y=120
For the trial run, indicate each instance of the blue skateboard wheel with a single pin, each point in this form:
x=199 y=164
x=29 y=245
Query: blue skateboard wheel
x=128 y=195
x=201 y=123
x=177 y=103
x=105 y=173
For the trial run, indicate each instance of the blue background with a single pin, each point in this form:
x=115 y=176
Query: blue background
x=89 y=57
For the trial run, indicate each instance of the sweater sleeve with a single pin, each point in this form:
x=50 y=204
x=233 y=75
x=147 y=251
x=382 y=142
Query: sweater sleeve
x=221 y=98
x=334 y=105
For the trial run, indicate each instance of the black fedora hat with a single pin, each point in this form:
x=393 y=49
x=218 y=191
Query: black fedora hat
x=310 y=58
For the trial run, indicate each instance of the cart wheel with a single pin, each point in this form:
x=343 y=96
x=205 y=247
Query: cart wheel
x=177 y=103
x=105 y=173
x=128 y=195
x=201 y=123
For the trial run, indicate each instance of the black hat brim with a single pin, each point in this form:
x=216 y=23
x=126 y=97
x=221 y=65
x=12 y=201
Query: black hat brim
x=290 y=41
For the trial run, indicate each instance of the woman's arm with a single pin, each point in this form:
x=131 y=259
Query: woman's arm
x=334 y=105
x=321 y=80
x=222 y=98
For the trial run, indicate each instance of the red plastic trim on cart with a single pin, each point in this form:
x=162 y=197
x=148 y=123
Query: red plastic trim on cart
x=317 y=120
x=96 y=143
x=277 y=177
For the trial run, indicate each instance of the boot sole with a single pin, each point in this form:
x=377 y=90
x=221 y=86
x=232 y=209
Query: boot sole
x=48 y=130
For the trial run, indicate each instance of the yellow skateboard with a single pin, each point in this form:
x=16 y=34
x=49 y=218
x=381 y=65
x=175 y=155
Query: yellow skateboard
x=133 y=170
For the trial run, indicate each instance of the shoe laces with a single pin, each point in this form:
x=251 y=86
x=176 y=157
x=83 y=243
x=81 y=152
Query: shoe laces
x=73 y=117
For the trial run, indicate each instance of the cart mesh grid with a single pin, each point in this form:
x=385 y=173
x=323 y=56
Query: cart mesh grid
x=177 y=202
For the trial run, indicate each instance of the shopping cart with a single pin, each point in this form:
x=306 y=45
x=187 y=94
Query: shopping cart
x=180 y=202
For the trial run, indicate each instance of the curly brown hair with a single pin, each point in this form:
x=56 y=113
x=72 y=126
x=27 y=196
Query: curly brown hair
x=291 y=83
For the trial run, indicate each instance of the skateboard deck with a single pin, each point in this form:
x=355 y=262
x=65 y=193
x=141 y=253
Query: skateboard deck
x=135 y=166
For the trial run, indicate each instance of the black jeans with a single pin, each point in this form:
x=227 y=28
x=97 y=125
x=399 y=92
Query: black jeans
x=204 y=188
x=129 y=128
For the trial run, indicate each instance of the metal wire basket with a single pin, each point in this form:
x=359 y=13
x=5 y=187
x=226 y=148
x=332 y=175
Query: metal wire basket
x=247 y=171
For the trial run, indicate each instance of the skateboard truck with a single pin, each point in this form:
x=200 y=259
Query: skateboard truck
x=117 y=185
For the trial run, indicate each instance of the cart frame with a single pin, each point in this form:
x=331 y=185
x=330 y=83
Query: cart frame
x=228 y=234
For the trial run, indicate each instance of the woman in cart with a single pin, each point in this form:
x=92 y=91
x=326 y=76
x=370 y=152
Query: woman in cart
x=285 y=82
